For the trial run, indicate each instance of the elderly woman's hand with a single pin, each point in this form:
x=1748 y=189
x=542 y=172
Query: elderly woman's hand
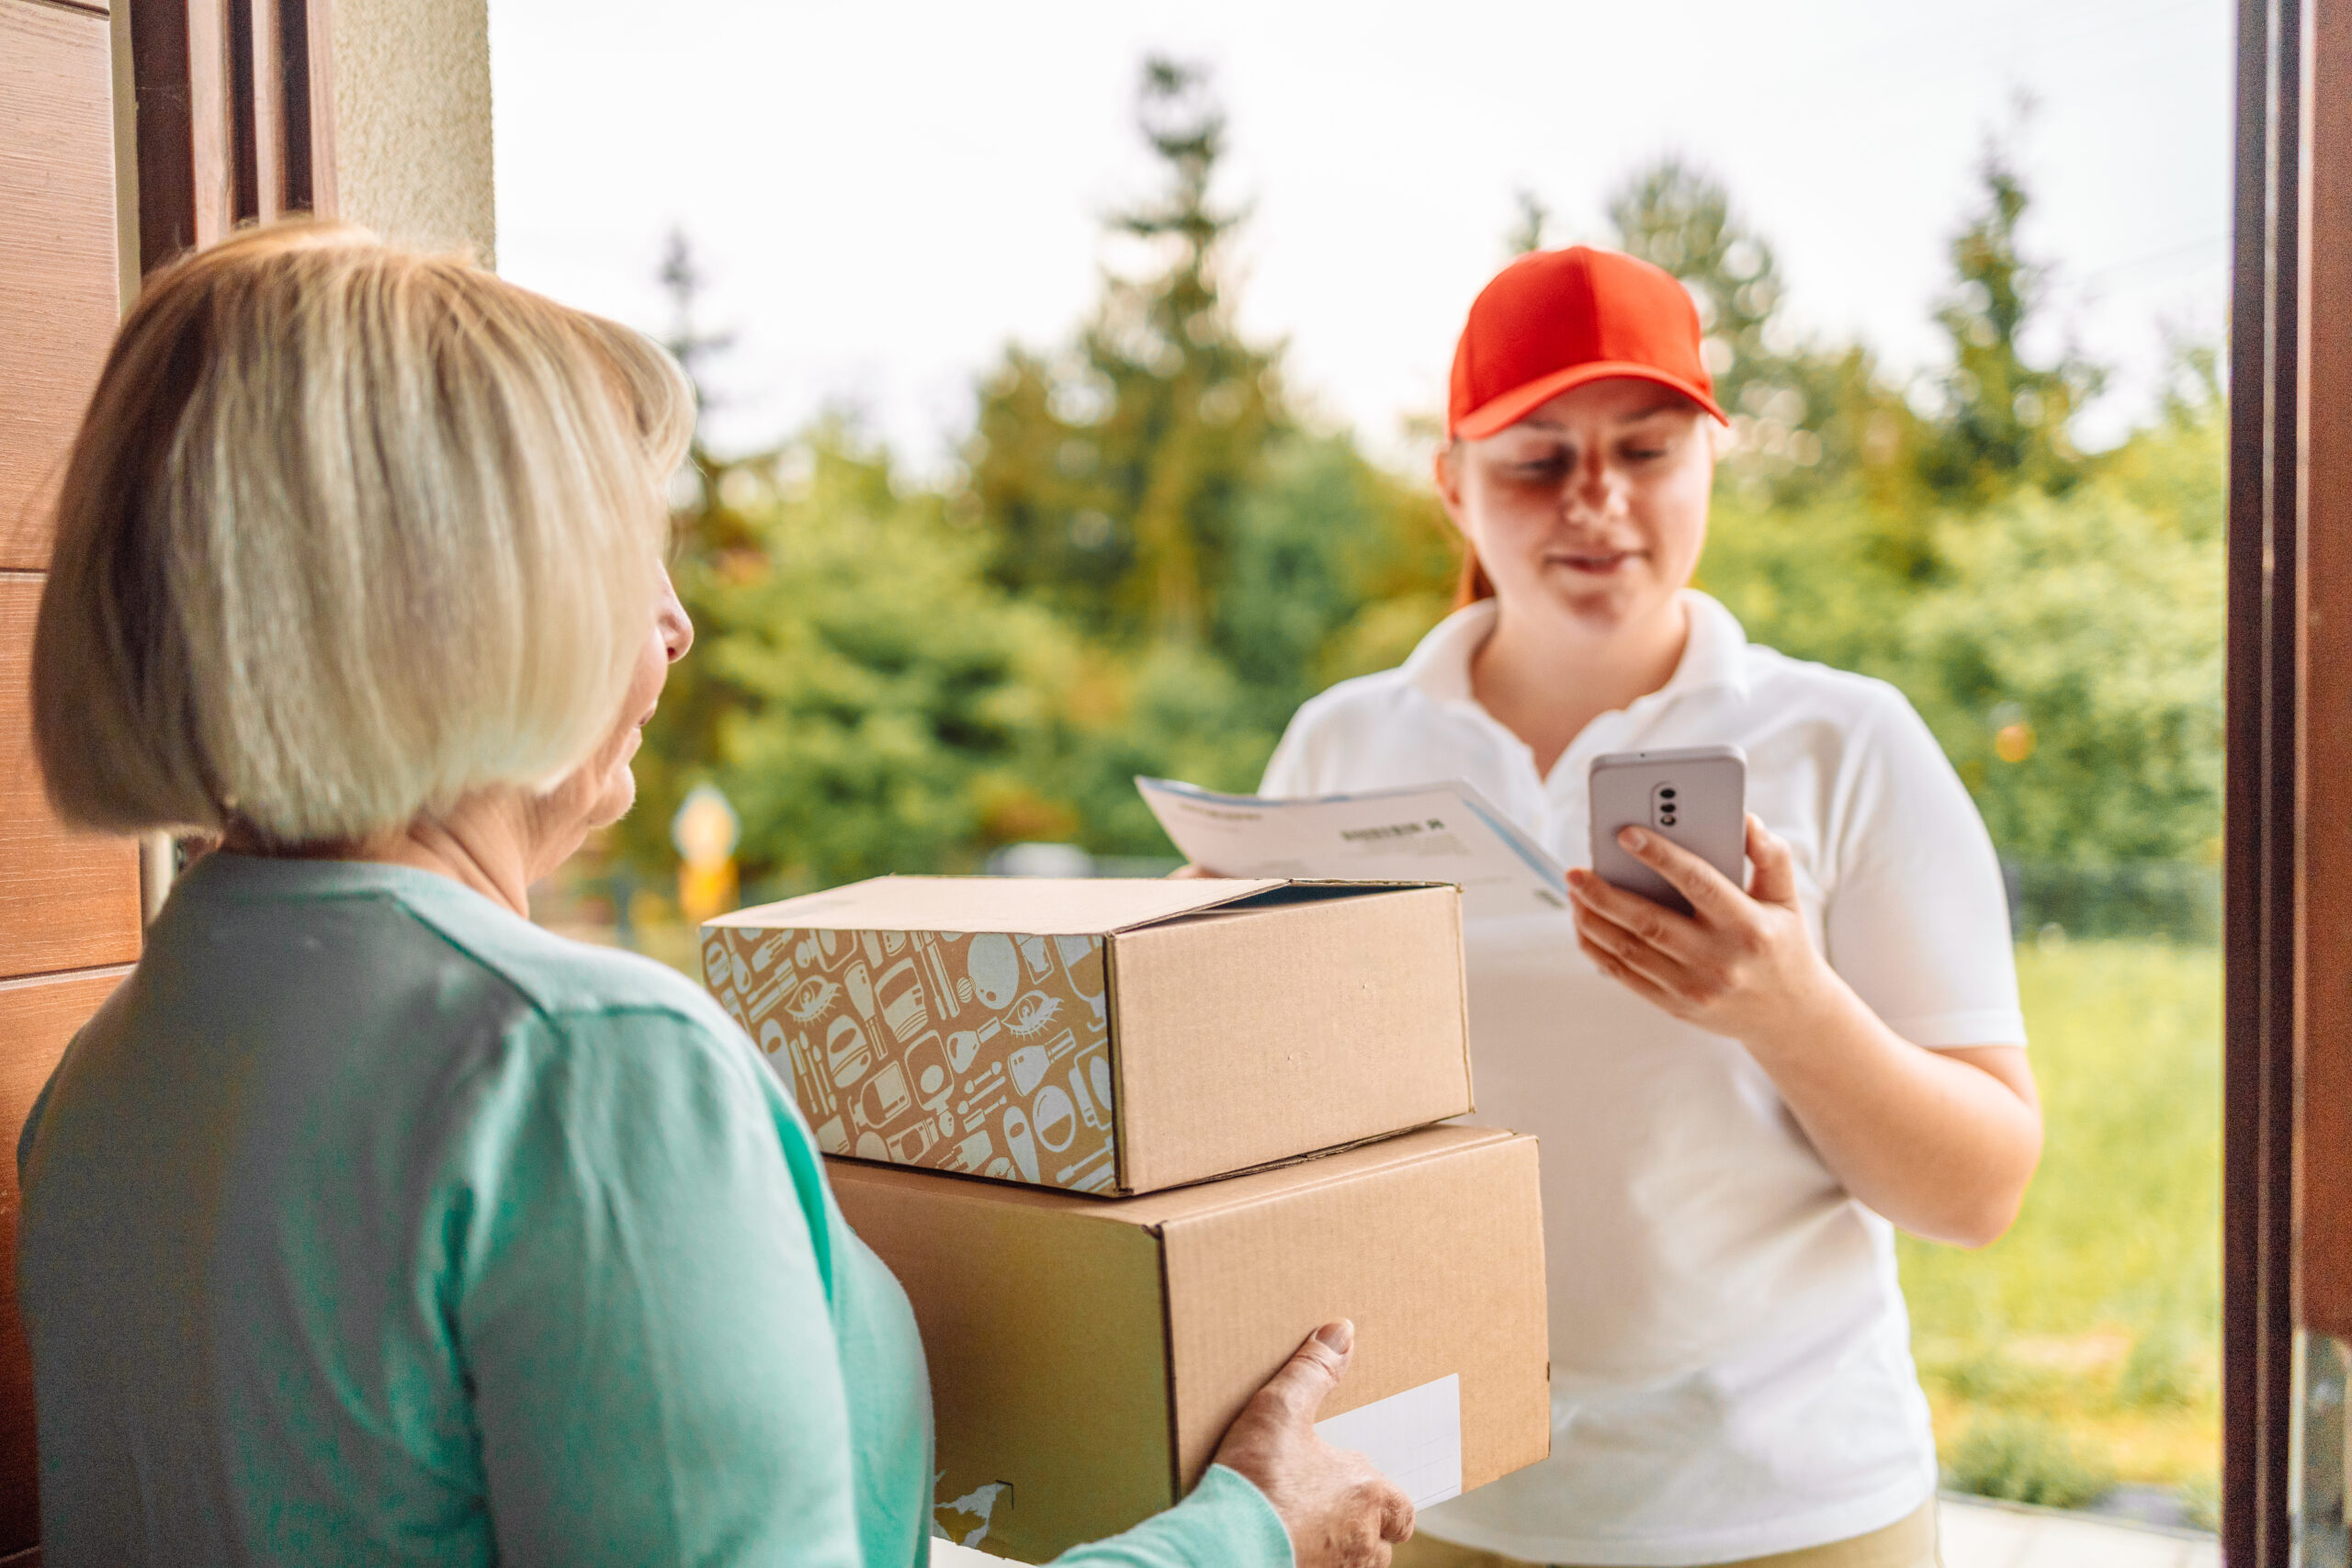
x=1340 y=1511
x=1740 y=965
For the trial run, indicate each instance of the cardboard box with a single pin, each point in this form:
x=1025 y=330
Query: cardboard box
x=1104 y=1036
x=1086 y=1357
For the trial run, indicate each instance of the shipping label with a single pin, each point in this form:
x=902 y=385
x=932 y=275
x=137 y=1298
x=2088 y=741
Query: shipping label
x=1413 y=1438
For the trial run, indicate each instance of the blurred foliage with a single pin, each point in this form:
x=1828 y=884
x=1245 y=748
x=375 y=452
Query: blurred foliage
x=1805 y=419
x=863 y=696
x=1110 y=478
x=2057 y=618
x=2000 y=421
x=2101 y=1311
x=2027 y=1459
x=2065 y=651
x=1148 y=557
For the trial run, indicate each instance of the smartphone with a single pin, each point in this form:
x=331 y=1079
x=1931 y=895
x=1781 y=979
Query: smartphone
x=1696 y=796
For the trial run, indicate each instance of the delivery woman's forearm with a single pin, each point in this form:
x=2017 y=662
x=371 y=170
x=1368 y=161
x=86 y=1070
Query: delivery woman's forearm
x=1943 y=1142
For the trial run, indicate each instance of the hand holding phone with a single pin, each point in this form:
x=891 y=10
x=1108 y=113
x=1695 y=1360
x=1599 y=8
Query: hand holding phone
x=1696 y=797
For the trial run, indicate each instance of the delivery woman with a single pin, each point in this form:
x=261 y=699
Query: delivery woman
x=1736 y=1107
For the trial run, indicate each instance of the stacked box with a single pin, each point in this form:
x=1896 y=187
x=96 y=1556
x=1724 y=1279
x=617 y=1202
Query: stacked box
x=1086 y=1357
x=1104 y=1036
x=1127 y=1142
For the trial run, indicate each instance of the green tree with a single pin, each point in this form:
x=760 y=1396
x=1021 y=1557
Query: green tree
x=1680 y=217
x=2067 y=651
x=1339 y=567
x=1804 y=418
x=1527 y=229
x=2071 y=664
x=2003 y=419
x=707 y=531
x=862 y=693
x=868 y=701
x=1108 y=478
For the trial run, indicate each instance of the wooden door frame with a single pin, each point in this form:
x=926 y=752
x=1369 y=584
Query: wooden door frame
x=2261 y=845
x=2287 y=1089
x=2259 y=852
x=235 y=113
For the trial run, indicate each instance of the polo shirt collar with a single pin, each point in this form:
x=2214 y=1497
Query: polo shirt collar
x=1715 y=655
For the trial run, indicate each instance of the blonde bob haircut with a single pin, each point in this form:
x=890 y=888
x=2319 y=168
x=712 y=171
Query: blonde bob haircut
x=349 y=532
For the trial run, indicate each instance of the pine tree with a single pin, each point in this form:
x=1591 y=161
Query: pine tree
x=2003 y=420
x=1108 y=478
x=682 y=741
x=1805 y=416
x=1527 y=229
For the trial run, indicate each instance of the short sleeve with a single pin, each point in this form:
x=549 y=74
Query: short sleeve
x=1287 y=772
x=1916 y=919
x=640 y=1307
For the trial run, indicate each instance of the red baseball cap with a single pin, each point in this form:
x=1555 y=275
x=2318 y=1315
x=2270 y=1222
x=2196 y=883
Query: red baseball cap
x=1554 y=320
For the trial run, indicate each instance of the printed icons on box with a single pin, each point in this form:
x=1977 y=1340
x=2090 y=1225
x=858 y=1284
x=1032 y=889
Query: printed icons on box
x=980 y=1053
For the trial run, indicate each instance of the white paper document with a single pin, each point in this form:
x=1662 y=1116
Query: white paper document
x=1413 y=1438
x=1445 y=832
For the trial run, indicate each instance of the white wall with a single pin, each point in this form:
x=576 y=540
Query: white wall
x=413 y=127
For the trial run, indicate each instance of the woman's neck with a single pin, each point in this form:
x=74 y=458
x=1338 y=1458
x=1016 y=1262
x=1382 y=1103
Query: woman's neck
x=491 y=843
x=1544 y=677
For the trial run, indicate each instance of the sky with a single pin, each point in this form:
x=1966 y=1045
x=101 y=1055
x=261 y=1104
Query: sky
x=884 y=195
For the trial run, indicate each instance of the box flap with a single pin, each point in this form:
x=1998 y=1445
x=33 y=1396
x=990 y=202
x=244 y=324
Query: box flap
x=1021 y=906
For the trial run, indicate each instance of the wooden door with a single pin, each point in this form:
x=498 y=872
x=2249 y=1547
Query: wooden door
x=69 y=903
x=233 y=120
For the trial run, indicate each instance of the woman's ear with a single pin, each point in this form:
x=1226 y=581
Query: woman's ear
x=1445 y=470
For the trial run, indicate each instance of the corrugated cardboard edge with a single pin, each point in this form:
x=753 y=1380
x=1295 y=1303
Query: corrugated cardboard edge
x=1245 y=1188
x=1106 y=1198
x=1210 y=894
x=1462 y=963
x=1122 y=1144
x=1176 y=1488
x=1191 y=896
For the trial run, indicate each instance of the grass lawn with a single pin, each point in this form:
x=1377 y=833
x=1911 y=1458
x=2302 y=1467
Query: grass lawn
x=2084 y=1347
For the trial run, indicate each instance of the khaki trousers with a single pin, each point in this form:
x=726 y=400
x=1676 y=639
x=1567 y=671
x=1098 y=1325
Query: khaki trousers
x=1907 y=1543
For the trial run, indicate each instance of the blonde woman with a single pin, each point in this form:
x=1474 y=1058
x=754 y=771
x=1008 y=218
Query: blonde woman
x=367 y=1222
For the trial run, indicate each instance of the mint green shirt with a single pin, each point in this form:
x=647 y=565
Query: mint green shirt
x=368 y=1223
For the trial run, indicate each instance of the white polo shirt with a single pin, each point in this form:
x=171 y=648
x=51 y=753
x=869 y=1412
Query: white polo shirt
x=1731 y=1366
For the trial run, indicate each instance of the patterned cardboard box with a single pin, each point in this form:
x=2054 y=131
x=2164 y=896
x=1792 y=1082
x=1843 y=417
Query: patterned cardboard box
x=1102 y=1036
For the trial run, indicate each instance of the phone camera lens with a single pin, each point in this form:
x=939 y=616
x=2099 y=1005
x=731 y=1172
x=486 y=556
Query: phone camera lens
x=1667 y=793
